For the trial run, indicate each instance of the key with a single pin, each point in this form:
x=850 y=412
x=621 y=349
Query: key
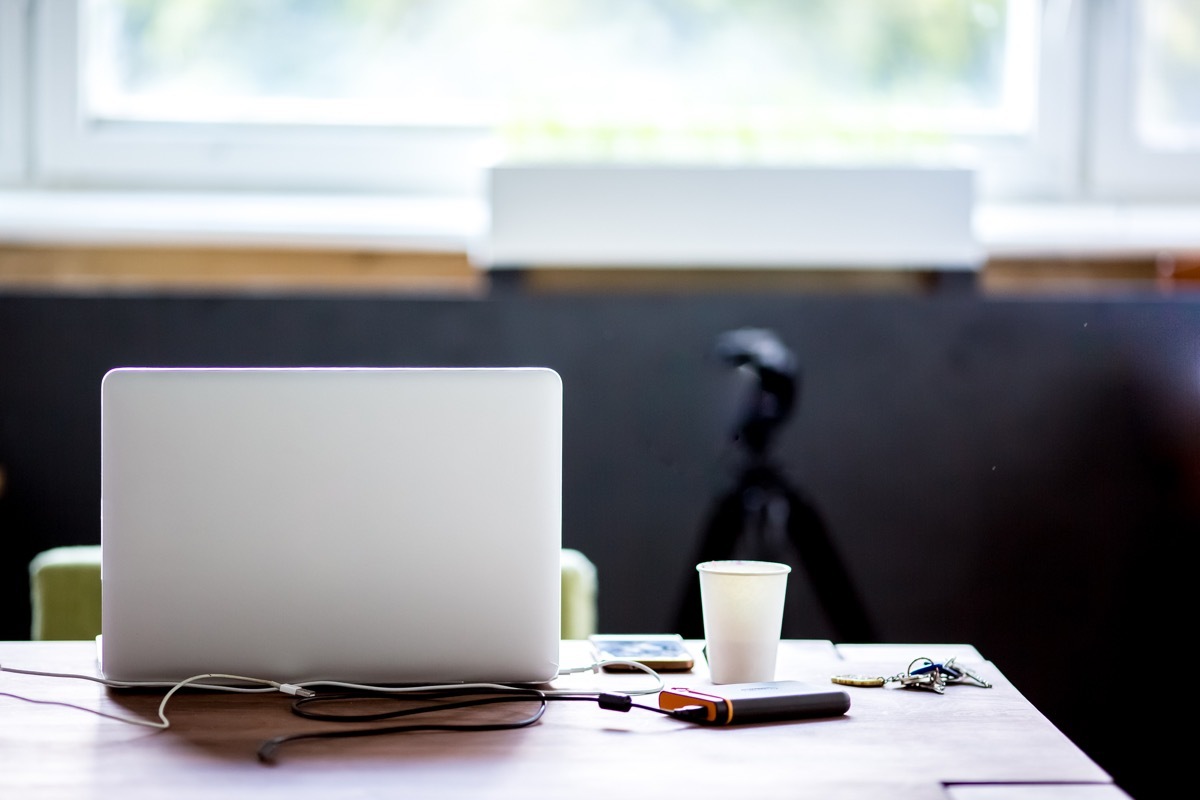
x=960 y=674
x=927 y=669
x=934 y=681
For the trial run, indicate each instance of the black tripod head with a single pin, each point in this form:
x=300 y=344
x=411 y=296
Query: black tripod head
x=766 y=389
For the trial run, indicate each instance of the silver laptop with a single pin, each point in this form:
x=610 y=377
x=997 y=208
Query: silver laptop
x=397 y=526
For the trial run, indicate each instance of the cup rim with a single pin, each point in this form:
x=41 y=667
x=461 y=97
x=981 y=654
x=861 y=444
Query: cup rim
x=738 y=567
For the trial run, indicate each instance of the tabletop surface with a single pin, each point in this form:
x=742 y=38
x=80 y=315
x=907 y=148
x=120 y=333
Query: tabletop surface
x=969 y=743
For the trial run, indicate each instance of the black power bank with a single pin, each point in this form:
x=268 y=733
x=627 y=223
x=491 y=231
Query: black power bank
x=769 y=701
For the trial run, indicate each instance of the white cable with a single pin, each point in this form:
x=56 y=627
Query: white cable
x=163 y=723
x=659 y=683
x=303 y=688
x=498 y=686
x=147 y=684
x=289 y=688
x=65 y=704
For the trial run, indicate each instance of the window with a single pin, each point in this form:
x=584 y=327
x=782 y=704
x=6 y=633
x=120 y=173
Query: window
x=127 y=97
x=1147 y=100
x=1051 y=99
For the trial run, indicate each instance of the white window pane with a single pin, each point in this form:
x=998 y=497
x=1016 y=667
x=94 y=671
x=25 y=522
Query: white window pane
x=591 y=77
x=1168 y=86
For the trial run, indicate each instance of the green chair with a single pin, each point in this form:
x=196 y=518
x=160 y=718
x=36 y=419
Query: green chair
x=65 y=593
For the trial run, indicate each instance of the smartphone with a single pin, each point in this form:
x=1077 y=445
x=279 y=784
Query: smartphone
x=662 y=652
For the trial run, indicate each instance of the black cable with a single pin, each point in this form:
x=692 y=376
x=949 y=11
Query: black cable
x=301 y=707
x=266 y=753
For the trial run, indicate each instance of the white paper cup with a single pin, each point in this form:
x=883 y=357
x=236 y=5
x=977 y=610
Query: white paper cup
x=743 y=618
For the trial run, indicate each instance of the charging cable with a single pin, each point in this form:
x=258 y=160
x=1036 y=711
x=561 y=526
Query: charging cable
x=486 y=693
x=196 y=682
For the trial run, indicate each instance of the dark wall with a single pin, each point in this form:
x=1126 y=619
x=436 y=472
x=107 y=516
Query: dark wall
x=1019 y=475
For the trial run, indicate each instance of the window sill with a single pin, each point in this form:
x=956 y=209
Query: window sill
x=446 y=225
x=375 y=223
x=1103 y=231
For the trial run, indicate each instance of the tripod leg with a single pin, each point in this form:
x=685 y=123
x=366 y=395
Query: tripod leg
x=722 y=531
x=828 y=574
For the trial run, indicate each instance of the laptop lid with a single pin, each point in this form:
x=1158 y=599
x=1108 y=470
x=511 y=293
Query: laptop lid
x=371 y=525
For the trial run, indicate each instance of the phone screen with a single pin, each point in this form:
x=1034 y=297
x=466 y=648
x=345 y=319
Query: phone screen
x=660 y=652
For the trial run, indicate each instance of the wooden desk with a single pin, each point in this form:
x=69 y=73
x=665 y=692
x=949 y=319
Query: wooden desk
x=902 y=744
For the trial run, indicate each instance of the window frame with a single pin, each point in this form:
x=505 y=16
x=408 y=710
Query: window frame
x=1119 y=166
x=1041 y=166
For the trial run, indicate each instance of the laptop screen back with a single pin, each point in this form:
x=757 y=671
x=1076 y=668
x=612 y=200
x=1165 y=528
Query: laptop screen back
x=367 y=525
